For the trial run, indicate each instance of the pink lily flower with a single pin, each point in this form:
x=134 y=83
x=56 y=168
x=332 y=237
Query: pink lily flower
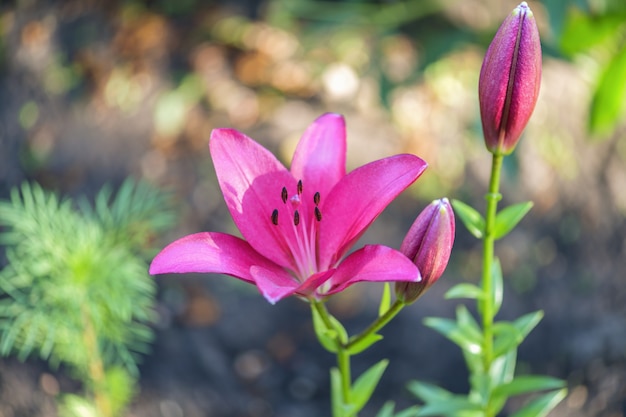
x=298 y=225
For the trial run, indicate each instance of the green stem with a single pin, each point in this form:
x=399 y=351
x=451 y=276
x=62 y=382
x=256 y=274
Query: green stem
x=95 y=367
x=380 y=322
x=487 y=310
x=343 y=356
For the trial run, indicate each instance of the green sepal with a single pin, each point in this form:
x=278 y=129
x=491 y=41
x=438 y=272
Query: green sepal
x=462 y=336
x=528 y=383
x=365 y=385
x=509 y=217
x=329 y=338
x=465 y=290
x=364 y=343
x=541 y=406
x=474 y=221
x=385 y=300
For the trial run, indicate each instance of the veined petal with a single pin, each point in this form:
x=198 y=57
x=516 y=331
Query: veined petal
x=273 y=287
x=251 y=179
x=210 y=252
x=320 y=158
x=355 y=202
x=312 y=283
x=373 y=263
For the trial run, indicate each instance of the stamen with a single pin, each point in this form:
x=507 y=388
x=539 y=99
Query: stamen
x=284 y=195
x=316 y=198
x=296 y=218
x=299 y=187
x=318 y=214
x=275 y=217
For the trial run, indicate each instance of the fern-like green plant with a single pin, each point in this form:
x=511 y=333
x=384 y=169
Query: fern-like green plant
x=76 y=288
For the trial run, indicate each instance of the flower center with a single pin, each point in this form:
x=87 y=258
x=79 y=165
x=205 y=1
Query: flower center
x=297 y=221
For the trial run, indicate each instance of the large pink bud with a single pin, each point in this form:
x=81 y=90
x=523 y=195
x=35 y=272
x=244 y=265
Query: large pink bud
x=509 y=80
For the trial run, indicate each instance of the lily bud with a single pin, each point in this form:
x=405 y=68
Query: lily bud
x=509 y=81
x=428 y=244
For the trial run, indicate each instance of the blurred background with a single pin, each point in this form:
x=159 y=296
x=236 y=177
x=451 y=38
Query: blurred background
x=92 y=92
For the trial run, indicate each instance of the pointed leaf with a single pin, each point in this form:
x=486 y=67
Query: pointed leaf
x=541 y=406
x=365 y=385
x=387 y=409
x=428 y=393
x=449 y=328
x=509 y=217
x=467 y=324
x=527 y=322
x=471 y=218
x=503 y=368
x=408 y=412
x=364 y=343
x=465 y=290
x=528 y=383
x=338 y=408
x=496 y=286
x=385 y=300
x=449 y=407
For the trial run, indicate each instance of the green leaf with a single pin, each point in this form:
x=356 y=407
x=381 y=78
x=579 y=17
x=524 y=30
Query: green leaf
x=608 y=104
x=465 y=290
x=327 y=337
x=503 y=368
x=461 y=336
x=542 y=405
x=509 y=335
x=528 y=322
x=528 y=383
x=385 y=300
x=449 y=407
x=365 y=385
x=497 y=290
x=387 y=409
x=583 y=31
x=408 y=412
x=336 y=397
x=509 y=217
x=364 y=343
x=428 y=392
x=471 y=218
x=467 y=324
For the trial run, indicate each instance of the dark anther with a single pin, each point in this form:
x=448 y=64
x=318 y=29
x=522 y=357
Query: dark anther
x=283 y=195
x=275 y=217
x=318 y=214
x=299 y=187
x=296 y=218
x=316 y=198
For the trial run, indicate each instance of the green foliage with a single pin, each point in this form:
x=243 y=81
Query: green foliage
x=471 y=218
x=76 y=285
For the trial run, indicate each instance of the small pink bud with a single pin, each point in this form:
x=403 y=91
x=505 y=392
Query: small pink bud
x=509 y=81
x=428 y=243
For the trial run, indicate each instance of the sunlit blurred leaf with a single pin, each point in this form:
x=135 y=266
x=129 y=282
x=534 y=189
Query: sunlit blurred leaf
x=609 y=100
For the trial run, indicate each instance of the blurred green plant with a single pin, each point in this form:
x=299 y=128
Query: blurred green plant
x=598 y=31
x=76 y=289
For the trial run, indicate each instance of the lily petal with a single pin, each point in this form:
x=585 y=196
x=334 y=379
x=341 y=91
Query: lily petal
x=356 y=201
x=210 y=252
x=273 y=287
x=320 y=158
x=373 y=263
x=251 y=179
